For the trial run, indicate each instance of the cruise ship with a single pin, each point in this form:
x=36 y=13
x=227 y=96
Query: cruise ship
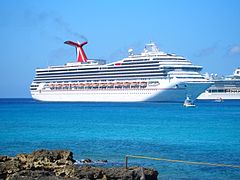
x=225 y=88
x=152 y=76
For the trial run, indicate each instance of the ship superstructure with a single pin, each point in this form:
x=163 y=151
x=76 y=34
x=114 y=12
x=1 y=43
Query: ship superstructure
x=150 y=76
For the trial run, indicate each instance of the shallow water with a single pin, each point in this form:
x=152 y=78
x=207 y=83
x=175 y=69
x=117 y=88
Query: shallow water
x=208 y=133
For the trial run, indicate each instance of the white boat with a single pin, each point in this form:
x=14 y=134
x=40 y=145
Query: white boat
x=149 y=76
x=188 y=102
x=219 y=100
x=225 y=88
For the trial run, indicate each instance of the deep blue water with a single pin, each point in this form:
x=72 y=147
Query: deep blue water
x=208 y=133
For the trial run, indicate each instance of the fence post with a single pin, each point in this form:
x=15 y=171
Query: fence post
x=142 y=174
x=126 y=162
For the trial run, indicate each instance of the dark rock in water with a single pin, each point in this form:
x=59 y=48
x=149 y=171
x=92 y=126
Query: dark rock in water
x=102 y=161
x=59 y=165
x=85 y=161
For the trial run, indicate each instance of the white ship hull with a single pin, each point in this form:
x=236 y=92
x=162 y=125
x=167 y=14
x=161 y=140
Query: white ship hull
x=217 y=96
x=165 y=92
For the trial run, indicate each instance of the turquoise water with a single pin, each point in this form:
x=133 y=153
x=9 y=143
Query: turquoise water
x=208 y=133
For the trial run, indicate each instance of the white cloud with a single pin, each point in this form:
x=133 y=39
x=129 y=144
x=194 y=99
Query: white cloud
x=235 y=50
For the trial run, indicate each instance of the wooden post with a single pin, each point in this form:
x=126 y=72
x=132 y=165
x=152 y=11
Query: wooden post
x=126 y=162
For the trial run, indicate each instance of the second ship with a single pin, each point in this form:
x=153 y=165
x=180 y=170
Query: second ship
x=223 y=88
x=152 y=76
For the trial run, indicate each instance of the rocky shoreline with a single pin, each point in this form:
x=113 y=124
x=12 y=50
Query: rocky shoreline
x=59 y=165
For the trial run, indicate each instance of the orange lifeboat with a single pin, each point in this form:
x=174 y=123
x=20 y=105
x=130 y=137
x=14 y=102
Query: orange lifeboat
x=110 y=84
x=95 y=84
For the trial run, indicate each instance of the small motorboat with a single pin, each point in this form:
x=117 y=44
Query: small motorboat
x=219 y=100
x=188 y=102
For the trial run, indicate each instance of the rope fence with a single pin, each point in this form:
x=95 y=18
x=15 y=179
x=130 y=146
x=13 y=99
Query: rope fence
x=178 y=161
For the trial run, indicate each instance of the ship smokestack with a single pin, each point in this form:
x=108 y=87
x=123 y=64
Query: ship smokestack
x=81 y=56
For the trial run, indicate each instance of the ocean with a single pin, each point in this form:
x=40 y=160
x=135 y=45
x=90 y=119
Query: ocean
x=210 y=132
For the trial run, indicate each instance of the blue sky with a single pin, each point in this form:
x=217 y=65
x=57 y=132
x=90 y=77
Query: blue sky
x=32 y=33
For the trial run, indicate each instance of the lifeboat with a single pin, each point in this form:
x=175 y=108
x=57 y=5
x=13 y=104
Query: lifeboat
x=143 y=84
x=126 y=84
x=110 y=84
x=103 y=85
x=133 y=83
x=88 y=85
x=74 y=85
x=95 y=84
x=119 y=84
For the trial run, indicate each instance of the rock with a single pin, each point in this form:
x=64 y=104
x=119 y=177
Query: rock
x=9 y=166
x=119 y=173
x=38 y=174
x=85 y=161
x=150 y=174
x=5 y=158
x=89 y=172
x=59 y=164
x=102 y=161
x=46 y=159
